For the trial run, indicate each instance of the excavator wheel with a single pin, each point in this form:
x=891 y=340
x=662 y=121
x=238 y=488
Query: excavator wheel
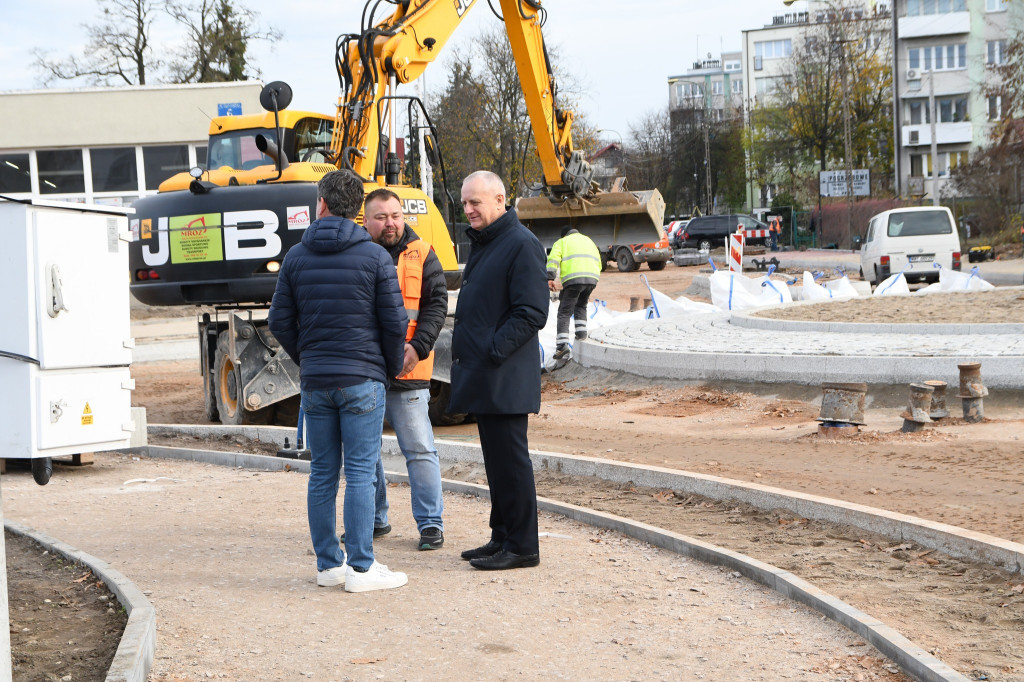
x=228 y=390
x=656 y=265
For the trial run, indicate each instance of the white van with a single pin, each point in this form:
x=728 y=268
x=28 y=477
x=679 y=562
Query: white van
x=912 y=240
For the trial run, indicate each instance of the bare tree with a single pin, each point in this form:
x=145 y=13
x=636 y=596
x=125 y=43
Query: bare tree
x=118 y=50
x=218 y=34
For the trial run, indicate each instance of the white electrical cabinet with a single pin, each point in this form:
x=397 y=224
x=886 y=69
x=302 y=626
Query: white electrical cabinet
x=65 y=333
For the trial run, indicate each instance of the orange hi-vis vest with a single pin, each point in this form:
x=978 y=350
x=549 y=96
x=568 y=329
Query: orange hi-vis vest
x=410 y=279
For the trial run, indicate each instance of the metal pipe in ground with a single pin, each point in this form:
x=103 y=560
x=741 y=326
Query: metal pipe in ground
x=842 y=409
x=972 y=390
x=915 y=417
x=938 y=409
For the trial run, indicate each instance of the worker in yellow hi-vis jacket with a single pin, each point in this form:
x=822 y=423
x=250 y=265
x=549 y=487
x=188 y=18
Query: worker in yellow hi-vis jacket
x=576 y=261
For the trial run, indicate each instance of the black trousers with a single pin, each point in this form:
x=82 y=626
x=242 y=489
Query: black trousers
x=510 y=479
x=572 y=302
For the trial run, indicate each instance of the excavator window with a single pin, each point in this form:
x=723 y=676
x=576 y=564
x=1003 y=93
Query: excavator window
x=313 y=139
x=237 y=149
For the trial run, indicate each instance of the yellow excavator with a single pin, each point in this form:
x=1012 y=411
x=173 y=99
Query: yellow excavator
x=217 y=236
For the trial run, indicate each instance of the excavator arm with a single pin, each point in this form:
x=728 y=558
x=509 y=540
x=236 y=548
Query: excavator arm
x=396 y=50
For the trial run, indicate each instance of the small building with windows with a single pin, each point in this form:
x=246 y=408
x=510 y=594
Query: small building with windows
x=110 y=145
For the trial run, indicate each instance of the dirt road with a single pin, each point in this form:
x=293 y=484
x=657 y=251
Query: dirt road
x=966 y=475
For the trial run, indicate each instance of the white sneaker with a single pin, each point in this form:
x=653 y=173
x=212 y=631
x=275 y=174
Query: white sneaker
x=378 y=577
x=332 y=576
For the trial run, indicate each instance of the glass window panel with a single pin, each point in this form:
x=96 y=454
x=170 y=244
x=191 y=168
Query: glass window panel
x=991 y=52
x=201 y=155
x=60 y=171
x=928 y=7
x=962 y=50
x=945 y=111
x=960 y=109
x=161 y=163
x=951 y=57
x=914 y=60
x=927 y=58
x=758 y=49
x=15 y=175
x=914 y=7
x=114 y=170
x=939 y=58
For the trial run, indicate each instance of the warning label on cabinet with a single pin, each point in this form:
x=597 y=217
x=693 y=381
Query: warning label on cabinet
x=196 y=238
x=87 y=415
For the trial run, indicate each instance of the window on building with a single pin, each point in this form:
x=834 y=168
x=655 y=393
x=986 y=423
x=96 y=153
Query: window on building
x=60 y=171
x=996 y=111
x=688 y=91
x=951 y=109
x=15 y=175
x=716 y=87
x=766 y=86
x=921 y=165
x=773 y=49
x=737 y=87
x=161 y=163
x=916 y=111
x=956 y=159
x=732 y=66
x=924 y=7
x=114 y=169
x=938 y=57
x=996 y=5
x=996 y=52
x=201 y=155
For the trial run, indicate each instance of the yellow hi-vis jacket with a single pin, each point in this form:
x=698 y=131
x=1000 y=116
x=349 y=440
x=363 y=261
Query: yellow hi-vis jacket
x=576 y=258
x=410 y=279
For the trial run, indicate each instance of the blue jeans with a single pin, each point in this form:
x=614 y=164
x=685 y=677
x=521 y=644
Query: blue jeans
x=407 y=413
x=351 y=418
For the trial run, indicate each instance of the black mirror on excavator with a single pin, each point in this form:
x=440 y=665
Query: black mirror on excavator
x=277 y=93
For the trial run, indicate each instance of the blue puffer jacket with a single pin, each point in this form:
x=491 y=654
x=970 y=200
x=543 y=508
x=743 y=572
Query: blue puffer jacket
x=337 y=308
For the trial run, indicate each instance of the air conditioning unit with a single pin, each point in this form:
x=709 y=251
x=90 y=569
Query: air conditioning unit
x=913 y=74
x=915 y=137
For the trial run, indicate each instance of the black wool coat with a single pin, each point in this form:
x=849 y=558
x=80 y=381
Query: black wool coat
x=503 y=303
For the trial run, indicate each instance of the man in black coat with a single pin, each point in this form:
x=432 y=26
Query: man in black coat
x=338 y=312
x=503 y=303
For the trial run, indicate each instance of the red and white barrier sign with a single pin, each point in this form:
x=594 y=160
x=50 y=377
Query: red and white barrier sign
x=757 y=234
x=736 y=251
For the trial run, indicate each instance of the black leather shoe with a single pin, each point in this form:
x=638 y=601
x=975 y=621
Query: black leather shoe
x=490 y=549
x=504 y=560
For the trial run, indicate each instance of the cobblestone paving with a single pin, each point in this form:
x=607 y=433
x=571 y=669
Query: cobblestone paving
x=713 y=334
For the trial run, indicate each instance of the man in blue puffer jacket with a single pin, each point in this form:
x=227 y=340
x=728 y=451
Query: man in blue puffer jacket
x=338 y=312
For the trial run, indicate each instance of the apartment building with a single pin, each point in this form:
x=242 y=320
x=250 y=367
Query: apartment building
x=714 y=86
x=109 y=145
x=945 y=58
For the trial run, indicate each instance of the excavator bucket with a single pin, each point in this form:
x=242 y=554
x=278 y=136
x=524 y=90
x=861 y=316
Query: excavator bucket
x=608 y=218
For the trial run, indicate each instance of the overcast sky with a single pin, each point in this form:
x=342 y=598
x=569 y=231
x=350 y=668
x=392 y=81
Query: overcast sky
x=621 y=52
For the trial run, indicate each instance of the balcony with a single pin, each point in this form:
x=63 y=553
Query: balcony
x=954 y=23
x=945 y=133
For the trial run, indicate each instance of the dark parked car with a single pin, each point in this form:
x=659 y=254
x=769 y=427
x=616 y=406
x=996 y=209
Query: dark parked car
x=710 y=231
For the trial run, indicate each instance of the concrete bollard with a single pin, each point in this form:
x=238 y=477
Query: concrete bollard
x=938 y=409
x=916 y=415
x=842 y=409
x=972 y=390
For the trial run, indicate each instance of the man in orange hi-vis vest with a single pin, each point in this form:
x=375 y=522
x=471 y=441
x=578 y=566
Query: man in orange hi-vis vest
x=774 y=230
x=425 y=294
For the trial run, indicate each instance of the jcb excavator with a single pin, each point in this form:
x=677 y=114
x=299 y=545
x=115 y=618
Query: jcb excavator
x=217 y=237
